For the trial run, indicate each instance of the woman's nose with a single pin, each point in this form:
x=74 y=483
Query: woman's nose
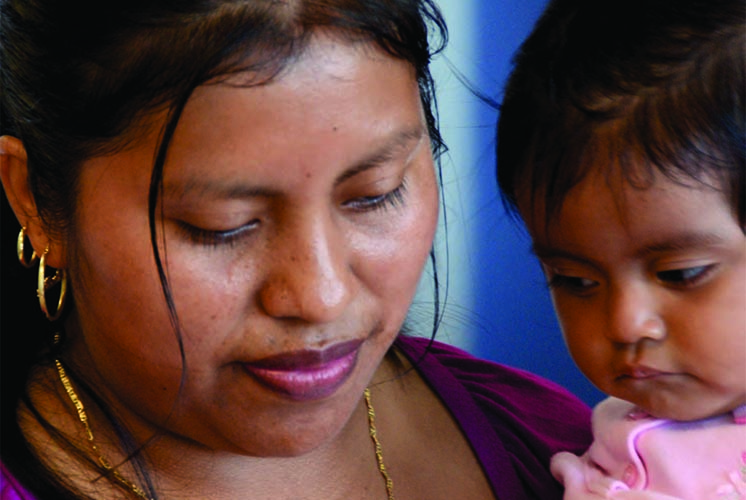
x=633 y=315
x=309 y=275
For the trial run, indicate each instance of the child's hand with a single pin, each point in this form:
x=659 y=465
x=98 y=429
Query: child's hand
x=584 y=481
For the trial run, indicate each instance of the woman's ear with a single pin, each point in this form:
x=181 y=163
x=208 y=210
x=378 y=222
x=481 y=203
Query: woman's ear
x=14 y=177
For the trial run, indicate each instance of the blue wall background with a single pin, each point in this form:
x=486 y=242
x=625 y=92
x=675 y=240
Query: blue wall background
x=498 y=304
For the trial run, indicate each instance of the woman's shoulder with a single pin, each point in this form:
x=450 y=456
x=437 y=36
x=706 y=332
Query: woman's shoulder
x=494 y=386
x=514 y=420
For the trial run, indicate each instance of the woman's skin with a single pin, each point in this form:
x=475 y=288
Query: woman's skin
x=296 y=219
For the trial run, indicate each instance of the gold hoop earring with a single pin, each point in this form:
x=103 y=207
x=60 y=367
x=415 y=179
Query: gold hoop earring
x=44 y=283
x=20 y=249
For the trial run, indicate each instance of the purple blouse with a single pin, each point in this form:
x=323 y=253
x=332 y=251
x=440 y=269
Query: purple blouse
x=10 y=489
x=515 y=421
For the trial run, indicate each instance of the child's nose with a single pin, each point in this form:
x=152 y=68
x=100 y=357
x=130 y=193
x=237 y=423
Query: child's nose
x=633 y=315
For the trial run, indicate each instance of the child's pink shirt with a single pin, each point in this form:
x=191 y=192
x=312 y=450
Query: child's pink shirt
x=635 y=456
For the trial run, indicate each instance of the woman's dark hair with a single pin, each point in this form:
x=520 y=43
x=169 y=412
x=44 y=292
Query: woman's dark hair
x=630 y=86
x=80 y=78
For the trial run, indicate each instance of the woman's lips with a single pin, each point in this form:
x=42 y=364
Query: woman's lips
x=309 y=374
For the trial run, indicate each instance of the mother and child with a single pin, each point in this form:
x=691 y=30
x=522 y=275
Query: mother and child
x=226 y=207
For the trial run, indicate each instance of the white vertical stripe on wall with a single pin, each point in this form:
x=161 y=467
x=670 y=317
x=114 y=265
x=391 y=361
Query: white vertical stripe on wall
x=498 y=304
x=457 y=117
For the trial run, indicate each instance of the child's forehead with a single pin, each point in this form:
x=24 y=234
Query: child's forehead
x=611 y=217
x=614 y=154
x=628 y=186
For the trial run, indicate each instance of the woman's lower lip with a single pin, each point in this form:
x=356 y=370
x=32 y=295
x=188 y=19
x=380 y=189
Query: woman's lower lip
x=307 y=383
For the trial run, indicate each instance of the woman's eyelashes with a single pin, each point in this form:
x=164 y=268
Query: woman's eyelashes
x=214 y=238
x=230 y=237
x=391 y=199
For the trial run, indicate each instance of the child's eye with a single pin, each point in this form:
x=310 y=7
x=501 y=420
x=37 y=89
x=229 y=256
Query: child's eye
x=392 y=199
x=212 y=238
x=572 y=284
x=688 y=276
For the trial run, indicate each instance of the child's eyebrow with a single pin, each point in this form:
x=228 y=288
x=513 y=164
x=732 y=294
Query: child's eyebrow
x=543 y=251
x=678 y=242
x=684 y=241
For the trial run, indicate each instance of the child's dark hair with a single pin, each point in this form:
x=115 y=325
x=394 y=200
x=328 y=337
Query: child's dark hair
x=633 y=87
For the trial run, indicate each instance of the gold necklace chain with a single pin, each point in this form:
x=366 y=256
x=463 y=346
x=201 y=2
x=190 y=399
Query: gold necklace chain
x=139 y=493
x=83 y=417
x=379 y=453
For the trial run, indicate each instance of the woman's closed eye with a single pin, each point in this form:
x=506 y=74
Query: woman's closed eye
x=214 y=238
x=391 y=199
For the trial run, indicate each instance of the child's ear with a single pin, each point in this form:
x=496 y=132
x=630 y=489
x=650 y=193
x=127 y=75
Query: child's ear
x=14 y=177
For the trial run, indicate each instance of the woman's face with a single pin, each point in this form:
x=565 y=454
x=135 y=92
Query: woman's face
x=296 y=220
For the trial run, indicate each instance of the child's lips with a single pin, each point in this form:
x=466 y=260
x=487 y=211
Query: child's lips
x=309 y=374
x=641 y=372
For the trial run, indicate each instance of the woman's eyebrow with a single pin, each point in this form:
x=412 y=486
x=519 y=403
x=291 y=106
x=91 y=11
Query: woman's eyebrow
x=398 y=141
x=200 y=188
x=213 y=189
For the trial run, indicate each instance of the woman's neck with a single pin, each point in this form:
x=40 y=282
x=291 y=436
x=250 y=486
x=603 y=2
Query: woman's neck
x=343 y=467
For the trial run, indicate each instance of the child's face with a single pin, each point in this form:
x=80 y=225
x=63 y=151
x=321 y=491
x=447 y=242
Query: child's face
x=650 y=289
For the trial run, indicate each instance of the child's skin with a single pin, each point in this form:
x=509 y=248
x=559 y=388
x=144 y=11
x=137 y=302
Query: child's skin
x=649 y=284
